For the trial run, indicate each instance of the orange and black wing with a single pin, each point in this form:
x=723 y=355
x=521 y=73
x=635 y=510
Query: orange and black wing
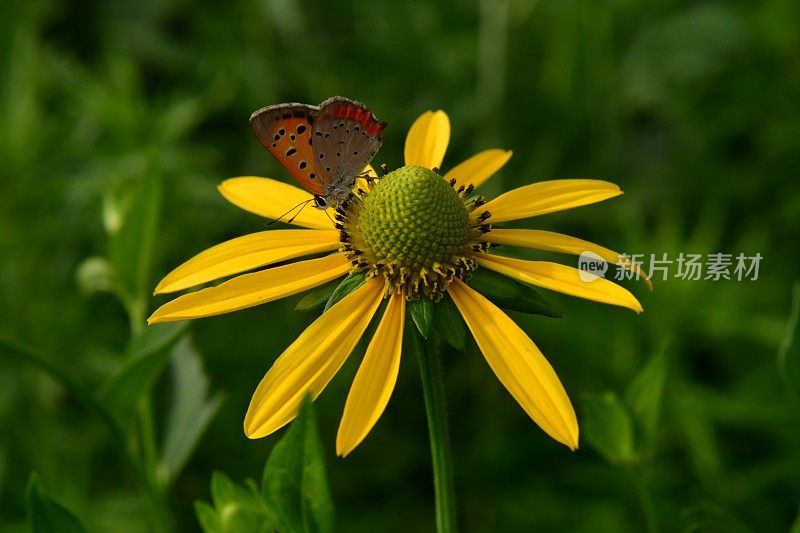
x=285 y=130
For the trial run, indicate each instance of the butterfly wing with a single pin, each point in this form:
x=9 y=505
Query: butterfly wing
x=346 y=137
x=285 y=130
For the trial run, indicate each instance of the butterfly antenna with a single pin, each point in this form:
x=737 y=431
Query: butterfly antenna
x=301 y=205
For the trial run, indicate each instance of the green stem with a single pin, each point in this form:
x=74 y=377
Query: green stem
x=22 y=352
x=436 y=412
x=135 y=307
x=645 y=499
x=149 y=462
x=147 y=438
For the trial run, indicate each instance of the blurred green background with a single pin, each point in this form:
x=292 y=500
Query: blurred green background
x=693 y=108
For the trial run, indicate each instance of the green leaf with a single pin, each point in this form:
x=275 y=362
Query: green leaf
x=510 y=294
x=421 y=311
x=155 y=339
x=190 y=412
x=645 y=393
x=236 y=508
x=295 y=483
x=45 y=514
x=316 y=297
x=448 y=323
x=207 y=517
x=608 y=427
x=147 y=355
x=131 y=245
x=789 y=351
x=348 y=285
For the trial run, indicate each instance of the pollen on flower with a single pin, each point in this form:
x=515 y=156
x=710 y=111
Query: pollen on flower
x=415 y=230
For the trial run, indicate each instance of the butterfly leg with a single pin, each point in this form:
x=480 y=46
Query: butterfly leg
x=366 y=176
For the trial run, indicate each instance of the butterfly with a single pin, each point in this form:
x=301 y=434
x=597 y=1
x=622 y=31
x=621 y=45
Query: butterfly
x=325 y=148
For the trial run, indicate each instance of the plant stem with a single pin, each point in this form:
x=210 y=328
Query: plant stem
x=147 y=438
x=645 y=498
x=149 y=463
x=436 y=412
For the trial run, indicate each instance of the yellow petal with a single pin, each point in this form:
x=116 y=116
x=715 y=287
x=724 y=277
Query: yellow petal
x=547 y=197
x=246 y=253
x=558 y=242
x=427 y=140
x=274 y=199
x=310 y=362
x=478 y=168
x=562 y=279
x=518 y=364
x=375 y=379
x=257 y=288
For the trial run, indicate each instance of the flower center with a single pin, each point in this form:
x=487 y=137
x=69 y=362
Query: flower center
x=412 y=228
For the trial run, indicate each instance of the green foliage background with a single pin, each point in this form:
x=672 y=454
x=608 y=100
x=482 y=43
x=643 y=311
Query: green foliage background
x=693 y=108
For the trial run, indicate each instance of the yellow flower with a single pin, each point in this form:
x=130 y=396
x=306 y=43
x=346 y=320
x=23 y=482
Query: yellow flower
x=415 y=235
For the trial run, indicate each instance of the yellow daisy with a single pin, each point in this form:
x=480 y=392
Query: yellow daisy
x=414 y=233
